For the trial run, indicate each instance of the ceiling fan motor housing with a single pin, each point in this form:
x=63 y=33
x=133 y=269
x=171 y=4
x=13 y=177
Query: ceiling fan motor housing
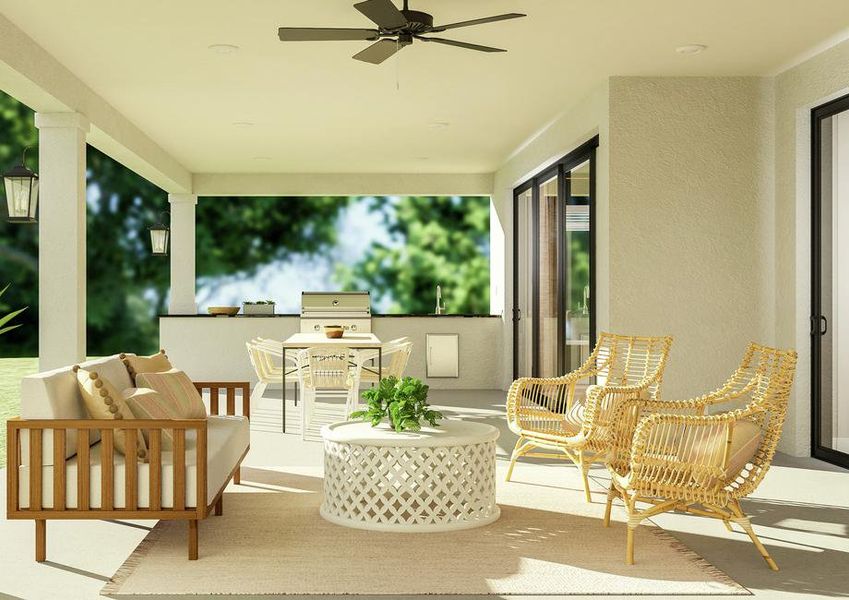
x=417 y=21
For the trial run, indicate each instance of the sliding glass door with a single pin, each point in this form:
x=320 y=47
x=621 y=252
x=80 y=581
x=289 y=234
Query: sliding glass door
x=830 y=283
x=553 y=247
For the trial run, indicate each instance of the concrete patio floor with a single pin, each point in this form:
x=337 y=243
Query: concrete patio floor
x=801 y=512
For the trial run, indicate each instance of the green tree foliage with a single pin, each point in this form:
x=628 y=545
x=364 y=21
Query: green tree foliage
x=18 y=242
x=442 y=240
x=126 y=287
x=579 y=268
x=238 y=236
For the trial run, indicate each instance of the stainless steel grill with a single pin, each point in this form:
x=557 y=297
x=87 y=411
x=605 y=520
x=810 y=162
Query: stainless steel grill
x=351 y=310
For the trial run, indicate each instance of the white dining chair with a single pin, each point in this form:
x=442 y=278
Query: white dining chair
x=262 y=353
x=396 y=356
x=331 y=371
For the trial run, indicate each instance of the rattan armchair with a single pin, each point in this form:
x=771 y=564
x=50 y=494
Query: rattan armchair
x=554 y=415
x=674 y=456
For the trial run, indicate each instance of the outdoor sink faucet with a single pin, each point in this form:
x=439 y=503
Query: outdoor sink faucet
x=440 y=305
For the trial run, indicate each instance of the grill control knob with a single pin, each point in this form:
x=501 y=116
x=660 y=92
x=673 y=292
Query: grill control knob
x=317 y=328
x=353 y=327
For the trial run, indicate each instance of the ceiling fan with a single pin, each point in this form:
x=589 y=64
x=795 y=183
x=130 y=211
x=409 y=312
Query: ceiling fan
x=396 y=29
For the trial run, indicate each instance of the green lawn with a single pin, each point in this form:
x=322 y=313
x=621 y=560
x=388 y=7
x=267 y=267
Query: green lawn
x=11 y=372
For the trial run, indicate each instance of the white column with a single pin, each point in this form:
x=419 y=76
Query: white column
x=182 y=299
x=61 y=239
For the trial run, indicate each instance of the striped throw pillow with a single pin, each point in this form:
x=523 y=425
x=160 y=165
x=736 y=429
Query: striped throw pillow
x=146 y=403
x=177 y=390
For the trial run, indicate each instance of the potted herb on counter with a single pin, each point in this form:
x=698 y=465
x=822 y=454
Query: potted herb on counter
x=264 y=308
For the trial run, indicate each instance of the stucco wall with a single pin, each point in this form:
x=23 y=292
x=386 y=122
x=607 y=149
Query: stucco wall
x=211 y=349
x=798 y=90
x=690 y=219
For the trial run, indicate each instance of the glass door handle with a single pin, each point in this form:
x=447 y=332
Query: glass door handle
x=819 y=325
x=823 y=325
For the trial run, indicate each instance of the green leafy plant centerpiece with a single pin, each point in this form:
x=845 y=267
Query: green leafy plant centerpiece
x=402 y=401
x=4 y=320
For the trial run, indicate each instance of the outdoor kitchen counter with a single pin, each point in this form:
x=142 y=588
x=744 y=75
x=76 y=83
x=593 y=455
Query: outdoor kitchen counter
x=376 y=316
x=213 y=348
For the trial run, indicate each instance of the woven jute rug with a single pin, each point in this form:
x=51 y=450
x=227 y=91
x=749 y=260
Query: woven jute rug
x=548 y=541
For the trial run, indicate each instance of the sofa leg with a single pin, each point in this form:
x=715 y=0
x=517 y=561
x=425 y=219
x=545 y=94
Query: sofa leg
x=193 y=539
x=40 y=540
x=237 y=476
x=219 y=506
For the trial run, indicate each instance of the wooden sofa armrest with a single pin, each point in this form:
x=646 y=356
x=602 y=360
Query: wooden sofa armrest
x=230 y=388
x=132 y=428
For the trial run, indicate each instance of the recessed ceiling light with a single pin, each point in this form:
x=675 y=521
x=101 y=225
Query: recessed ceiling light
x=438 y=124
x=691 y=49
x=243 y=124
x=223 y=48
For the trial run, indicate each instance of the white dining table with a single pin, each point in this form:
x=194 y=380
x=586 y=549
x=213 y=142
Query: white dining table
x=353 y=341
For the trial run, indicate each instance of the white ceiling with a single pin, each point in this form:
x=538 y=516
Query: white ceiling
x=315 y=109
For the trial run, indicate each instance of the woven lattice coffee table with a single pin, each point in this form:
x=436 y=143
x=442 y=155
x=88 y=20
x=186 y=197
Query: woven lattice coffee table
x=438 y=479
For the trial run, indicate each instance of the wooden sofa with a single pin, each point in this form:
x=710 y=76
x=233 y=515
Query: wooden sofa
x=94 y=482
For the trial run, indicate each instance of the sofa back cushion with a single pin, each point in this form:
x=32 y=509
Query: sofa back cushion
x=56 y=395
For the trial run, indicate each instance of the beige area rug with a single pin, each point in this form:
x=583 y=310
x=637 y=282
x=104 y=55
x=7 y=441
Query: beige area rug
x=548 y=541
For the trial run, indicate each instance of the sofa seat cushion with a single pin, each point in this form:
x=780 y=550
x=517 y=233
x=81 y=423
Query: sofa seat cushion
x=56 y=395
x=227 y=440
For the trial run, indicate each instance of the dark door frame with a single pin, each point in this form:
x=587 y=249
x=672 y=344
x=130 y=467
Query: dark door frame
x=819 y=323
x=584 y=152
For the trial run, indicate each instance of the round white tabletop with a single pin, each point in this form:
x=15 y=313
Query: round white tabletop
x=449 y=433
x=437 y=479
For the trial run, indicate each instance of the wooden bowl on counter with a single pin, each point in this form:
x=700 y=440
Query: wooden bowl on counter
x=334 y=332
x=223 y=311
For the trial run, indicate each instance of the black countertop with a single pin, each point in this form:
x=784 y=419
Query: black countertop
x=402 y=316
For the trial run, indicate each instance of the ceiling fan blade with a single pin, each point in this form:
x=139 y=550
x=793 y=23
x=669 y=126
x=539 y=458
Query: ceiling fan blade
x=382 y=12
x=379 y=51
x=325 y=34
x=460 y=44
x=478 y=21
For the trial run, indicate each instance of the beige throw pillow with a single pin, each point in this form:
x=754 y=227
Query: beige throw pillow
x=177 y=390
x=103 y=401
x=156 y=363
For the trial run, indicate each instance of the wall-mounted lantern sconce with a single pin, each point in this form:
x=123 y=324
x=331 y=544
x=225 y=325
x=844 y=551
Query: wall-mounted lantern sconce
x=159 y=237
x=21 y=192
